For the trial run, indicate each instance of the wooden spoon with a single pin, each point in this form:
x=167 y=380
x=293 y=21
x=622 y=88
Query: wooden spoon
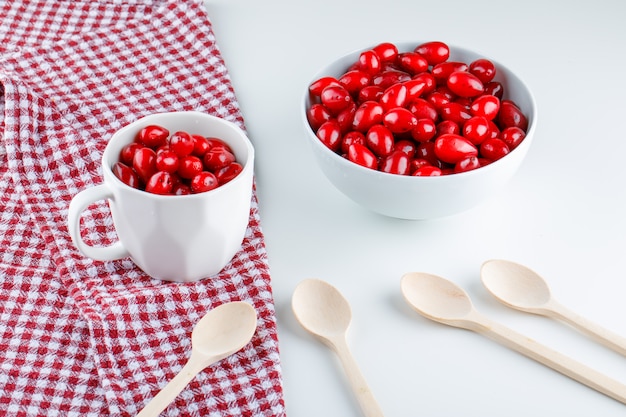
x=523 y=289
x=441 y=300
x=321 y=309
x=221 y=332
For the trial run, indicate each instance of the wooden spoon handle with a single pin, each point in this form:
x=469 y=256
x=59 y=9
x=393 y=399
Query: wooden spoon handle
x=554 y=360
x=363 y=394
x=170 y=391
x=595 y=331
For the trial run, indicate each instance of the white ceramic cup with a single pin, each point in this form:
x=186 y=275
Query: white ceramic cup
x=173 y=238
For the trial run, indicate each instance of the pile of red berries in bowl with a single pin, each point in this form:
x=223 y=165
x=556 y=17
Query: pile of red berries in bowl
x=179 y=163
x=418 y=130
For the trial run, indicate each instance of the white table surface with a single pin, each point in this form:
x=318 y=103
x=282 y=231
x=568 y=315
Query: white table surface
x=563 y=214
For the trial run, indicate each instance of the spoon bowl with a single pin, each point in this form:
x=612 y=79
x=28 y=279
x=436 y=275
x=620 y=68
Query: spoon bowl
x=222 y=331
x=435 y=297
x=515 y=285
x=323 y=311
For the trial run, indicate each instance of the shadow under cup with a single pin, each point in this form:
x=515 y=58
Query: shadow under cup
x=173 y=238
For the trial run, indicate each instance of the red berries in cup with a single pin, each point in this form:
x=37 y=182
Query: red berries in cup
x=416 y=112
x=175 y=164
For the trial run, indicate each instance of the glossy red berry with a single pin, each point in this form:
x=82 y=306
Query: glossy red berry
x=128 y=152
x=370 y=62
x=415 y=89
x=412 y=62
x=203 y=181
x=456 y=112
x=181 y=189
x=396 y=162
x=316 y=88
x=442 y=71
x=493 y=149
x=434 y=52
x=448 y=126
x=483 y=69
x=427 y=171
x=144 y=163
x=336 y=98
x=167 y=160
x=370 y=93
x=423 y=109
x=200 y=145
x=126 y=174
x=153 y=136
x=228 y=173
x=386 y=51
x=428 y=79
x=329 y=134
x=367 y=115
x=486 y=106
x=189 y=166
x=394 y=96
x=494 y=88
x=511 y=115
x=345 y=118
x=407 y=146
x=424 y=130
x=452 y=148
x=351 y=137
x=468 y=164
x=160 y=183
x=218 y=158
x=181 y=143
x=399 y=120
x=317 y=115
x=426 y=151
x=360 y=154
x=476 y=129
x=386 y=79
x=354 y=81
x=465 y=84
x=512 y=136
x=217 y=143
x=379 y=139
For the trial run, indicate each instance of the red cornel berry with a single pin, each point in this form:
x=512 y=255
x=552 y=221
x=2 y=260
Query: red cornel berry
x=176 y=164
x=153 y=136
x=415 y=112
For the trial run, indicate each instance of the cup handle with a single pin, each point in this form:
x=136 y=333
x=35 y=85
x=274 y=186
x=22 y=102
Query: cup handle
x=79 y=203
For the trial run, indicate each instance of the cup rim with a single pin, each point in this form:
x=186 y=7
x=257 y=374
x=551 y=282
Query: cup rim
x=248 y=164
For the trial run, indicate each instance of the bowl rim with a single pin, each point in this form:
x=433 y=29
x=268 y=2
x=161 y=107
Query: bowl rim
x=403 y=46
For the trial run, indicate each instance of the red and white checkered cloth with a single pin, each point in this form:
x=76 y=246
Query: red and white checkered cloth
x=86 y=338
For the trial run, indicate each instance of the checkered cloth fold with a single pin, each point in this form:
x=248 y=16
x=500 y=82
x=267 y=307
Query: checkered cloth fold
x=86 y=338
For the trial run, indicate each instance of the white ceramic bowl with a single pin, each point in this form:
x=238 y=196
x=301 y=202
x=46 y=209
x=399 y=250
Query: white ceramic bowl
x=410 y=197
